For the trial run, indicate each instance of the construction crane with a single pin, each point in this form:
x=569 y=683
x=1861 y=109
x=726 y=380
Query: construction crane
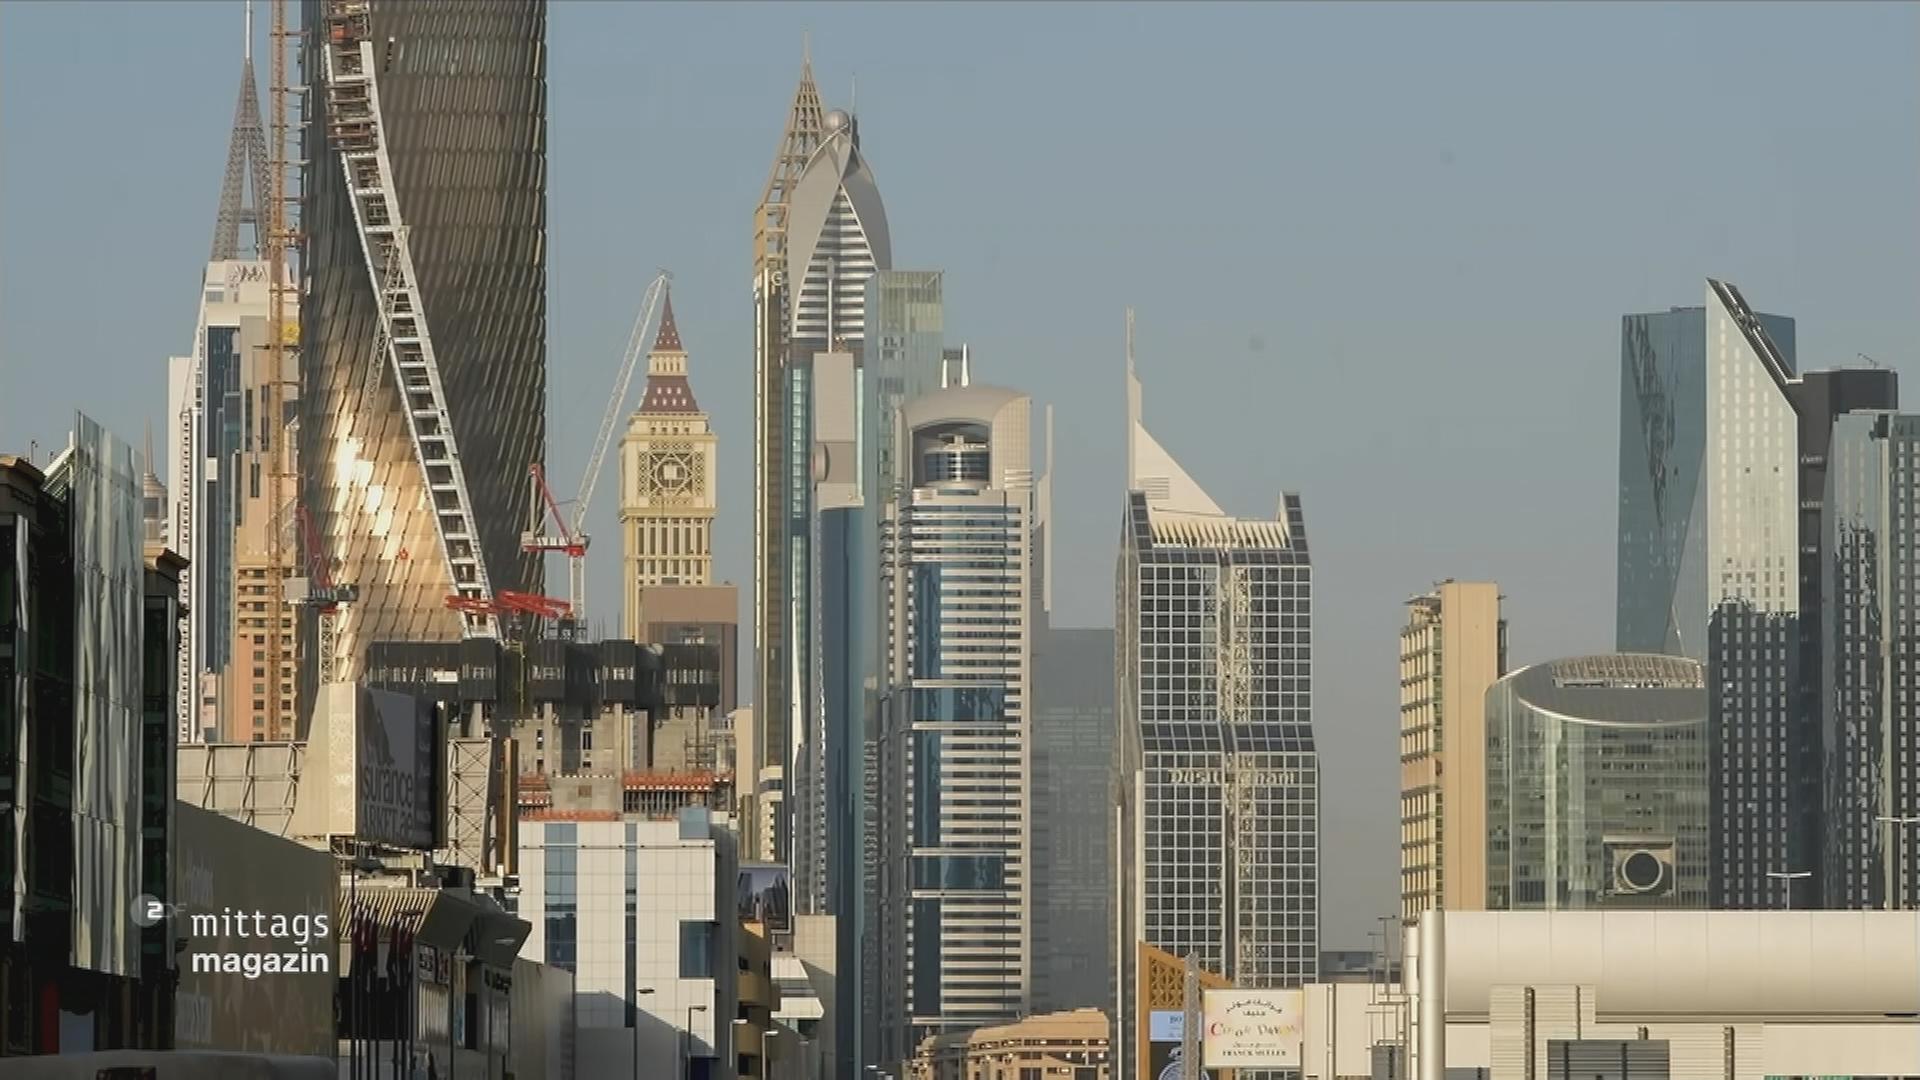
x=570 y=537
x=282 y=337
x=319 y=591
x=356 y=130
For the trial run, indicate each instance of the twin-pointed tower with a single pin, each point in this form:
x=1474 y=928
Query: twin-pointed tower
x=819 y=234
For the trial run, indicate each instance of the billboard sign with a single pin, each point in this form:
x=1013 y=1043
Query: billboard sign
x=765 y=895
x=1252 y=1028
x=380 y=752
x=394 y=770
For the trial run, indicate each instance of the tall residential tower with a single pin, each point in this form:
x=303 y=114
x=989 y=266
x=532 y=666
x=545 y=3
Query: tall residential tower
x=952 y=919
x=819 y=234
x=1452 y=648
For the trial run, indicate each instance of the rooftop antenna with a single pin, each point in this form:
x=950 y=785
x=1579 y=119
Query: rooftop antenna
x=806 y=48
x=249 y=42
x=1870 y=360
x=853 y=94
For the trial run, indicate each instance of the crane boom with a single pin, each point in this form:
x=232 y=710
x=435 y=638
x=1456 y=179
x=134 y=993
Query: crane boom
x=636 y=345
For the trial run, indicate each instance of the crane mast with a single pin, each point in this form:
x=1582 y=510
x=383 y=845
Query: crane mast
x=281 y=337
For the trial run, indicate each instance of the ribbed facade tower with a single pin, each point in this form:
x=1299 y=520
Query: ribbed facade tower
x=420 y=495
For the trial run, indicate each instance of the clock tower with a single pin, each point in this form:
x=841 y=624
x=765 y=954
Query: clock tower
x=668 y=464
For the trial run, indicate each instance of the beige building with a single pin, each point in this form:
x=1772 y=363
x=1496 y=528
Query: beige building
x=262 y=668
x=1063 y=1044
x=668 y=469
x=688 y=738
x=1452 y=648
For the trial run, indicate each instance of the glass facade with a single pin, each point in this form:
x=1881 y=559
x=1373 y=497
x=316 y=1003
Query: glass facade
x=1218 y=775
x=1597 y=785
x=1871 y=649
x=1071 y=831
x=1709 y=563
x=469 y=154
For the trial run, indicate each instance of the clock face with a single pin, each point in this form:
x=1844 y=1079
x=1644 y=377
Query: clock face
x=671 y=475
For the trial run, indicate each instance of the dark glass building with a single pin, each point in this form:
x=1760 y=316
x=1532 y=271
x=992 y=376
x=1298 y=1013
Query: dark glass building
x=462 y=99
x=1871 y=650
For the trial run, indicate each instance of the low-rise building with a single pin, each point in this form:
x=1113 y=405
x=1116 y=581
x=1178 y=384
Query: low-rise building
x=1709 y=995
x=1070 y=1045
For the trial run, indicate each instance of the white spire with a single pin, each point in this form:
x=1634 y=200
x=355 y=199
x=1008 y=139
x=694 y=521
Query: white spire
x=1150 y=469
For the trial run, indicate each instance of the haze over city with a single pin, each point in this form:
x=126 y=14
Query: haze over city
x=1377 y=255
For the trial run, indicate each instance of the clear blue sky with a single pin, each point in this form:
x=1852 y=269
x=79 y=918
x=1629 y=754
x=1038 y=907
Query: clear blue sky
x=1379 y=254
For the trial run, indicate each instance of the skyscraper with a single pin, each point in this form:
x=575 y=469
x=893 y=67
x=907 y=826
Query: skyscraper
x=1709 y=558
x=669 y=471
x=820 y=233
x=1722 y=478
x=1596 y=785
x=1072 y=840
x=1452 y=648
x=448 y=122
x=218 y=444
x=955 y=881
x=1871 y=626
x=213 y=395
x=1217 y=796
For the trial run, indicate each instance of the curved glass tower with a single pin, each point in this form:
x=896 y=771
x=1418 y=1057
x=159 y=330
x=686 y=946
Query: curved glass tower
x=1597 y=785
x=463 y=98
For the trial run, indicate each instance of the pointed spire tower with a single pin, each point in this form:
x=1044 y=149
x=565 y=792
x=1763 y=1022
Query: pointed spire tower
x=669 y=458
x=246 y=160
x=774 y=692
x=668 y=391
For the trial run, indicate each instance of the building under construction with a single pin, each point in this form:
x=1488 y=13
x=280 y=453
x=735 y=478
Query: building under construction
x=423 y=363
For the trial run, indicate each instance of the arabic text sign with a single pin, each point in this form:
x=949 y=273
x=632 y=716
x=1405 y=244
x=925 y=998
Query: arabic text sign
x=1252 y=1028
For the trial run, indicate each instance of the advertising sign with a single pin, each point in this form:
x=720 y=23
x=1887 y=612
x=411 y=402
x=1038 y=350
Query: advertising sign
x=1164 y=1063
x=1252 y=1028
x=394 y=771
x=765 y=895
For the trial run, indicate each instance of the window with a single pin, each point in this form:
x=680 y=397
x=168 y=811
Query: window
x=696 y=950
x=586 y=738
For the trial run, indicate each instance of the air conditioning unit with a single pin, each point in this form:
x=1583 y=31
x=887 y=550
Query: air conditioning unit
x=1640 y=866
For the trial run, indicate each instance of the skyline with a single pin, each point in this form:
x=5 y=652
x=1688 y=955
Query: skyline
x=1038 y=289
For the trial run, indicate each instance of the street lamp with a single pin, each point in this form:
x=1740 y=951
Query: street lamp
x=1896 y=849
x=1786 y=878
x=638 y=993
x=686 y=1043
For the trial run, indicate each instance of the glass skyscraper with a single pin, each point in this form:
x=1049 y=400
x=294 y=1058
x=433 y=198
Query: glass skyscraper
x=462 y=95
x=1596 y=773
x=1709 y=559
x=1871 y=677
x=1072 y=837
x=1217 y=778
x=955 y=734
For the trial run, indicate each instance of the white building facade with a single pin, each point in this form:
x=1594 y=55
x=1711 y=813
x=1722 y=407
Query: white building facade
x=643 y=913
x=955 y=740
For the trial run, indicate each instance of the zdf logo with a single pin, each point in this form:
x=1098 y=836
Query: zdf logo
x=147 y=911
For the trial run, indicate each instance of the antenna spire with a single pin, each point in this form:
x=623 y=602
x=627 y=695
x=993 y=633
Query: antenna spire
x=806 y=48
x=246 y=161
